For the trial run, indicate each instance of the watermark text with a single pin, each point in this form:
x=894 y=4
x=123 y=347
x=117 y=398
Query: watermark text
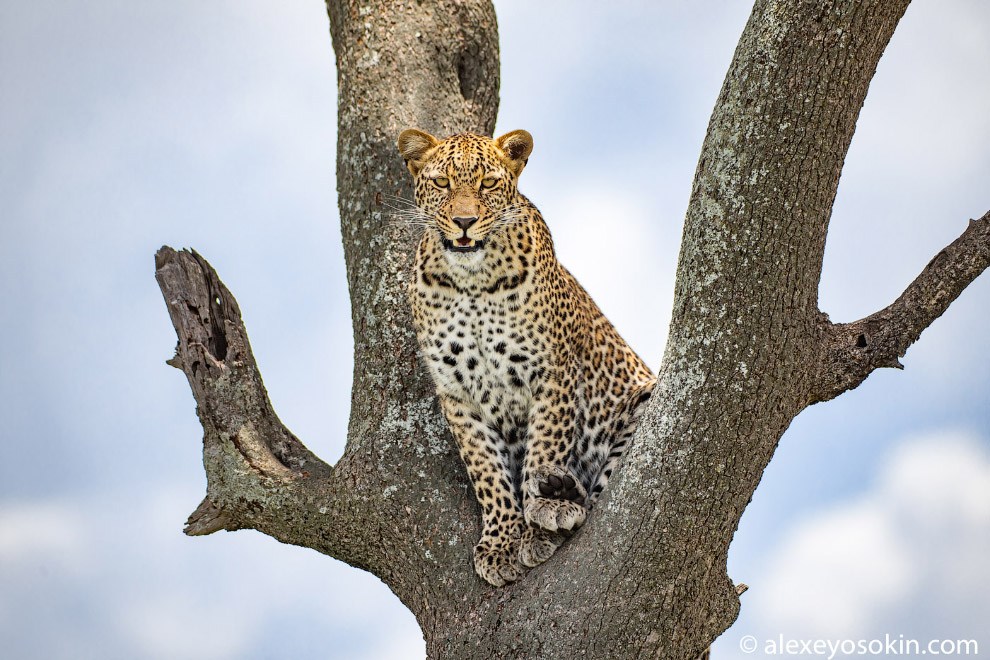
x=837 y=648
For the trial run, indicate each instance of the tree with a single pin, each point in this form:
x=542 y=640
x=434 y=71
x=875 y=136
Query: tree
x=748 y=348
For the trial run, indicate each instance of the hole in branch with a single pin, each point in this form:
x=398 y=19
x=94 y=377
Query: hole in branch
x=468 y=74
x=861 y=341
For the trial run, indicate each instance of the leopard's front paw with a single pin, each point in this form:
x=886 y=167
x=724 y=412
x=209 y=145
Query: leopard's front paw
x=496 y=560
x=556 y=501
x=538 y=545
x=555 y=515
x=557 y=483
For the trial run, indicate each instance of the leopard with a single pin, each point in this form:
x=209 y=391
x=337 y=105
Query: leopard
x=540 y=392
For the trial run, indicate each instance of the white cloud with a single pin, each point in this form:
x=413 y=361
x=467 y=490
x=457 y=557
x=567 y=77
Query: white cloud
x=39 y=533
x=177 y=625
x=608 y=238
x=930 y=74
x=403 y=643
x=833 y=572
x=122 y=581
x=910 y=551
x=940 y=483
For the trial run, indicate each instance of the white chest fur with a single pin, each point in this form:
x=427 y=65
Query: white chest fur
x=481 y=351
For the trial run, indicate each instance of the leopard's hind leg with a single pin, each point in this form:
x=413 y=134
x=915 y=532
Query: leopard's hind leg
x=622 y=430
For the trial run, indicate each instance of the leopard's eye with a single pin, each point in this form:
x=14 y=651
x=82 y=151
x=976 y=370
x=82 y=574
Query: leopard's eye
x=442 y=182
x=488 y=182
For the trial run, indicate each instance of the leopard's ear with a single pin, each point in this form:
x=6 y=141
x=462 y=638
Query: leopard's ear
x=415 y=147
x=517 y=146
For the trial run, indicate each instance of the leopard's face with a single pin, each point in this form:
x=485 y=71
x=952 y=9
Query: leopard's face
x=465 y=185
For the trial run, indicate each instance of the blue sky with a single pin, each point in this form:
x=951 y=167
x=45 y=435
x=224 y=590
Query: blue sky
x=128 y=125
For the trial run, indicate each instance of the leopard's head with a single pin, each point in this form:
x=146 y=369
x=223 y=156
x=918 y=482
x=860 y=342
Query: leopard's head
x=466 y=184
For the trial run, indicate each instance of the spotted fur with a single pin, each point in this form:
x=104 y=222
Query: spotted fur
x=540 y=392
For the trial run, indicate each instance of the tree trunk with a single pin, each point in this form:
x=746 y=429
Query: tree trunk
x=748 y=348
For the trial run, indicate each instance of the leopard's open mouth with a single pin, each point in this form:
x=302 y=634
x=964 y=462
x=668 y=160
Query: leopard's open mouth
x=463 y=244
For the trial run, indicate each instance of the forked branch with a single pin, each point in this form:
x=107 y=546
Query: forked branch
x=254 y=465
x=852 y=351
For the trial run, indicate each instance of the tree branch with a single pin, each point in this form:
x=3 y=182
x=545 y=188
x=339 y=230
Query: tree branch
x=852 y=351
x=259 y=475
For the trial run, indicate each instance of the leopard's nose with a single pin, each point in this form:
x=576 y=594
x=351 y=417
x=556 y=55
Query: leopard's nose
x=465 y=223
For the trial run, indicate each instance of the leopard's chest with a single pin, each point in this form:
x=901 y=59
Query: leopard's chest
x=485 y=350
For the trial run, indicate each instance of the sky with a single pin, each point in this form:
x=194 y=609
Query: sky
x=125 y=126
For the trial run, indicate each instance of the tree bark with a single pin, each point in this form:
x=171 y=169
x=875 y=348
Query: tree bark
x=748 y=348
